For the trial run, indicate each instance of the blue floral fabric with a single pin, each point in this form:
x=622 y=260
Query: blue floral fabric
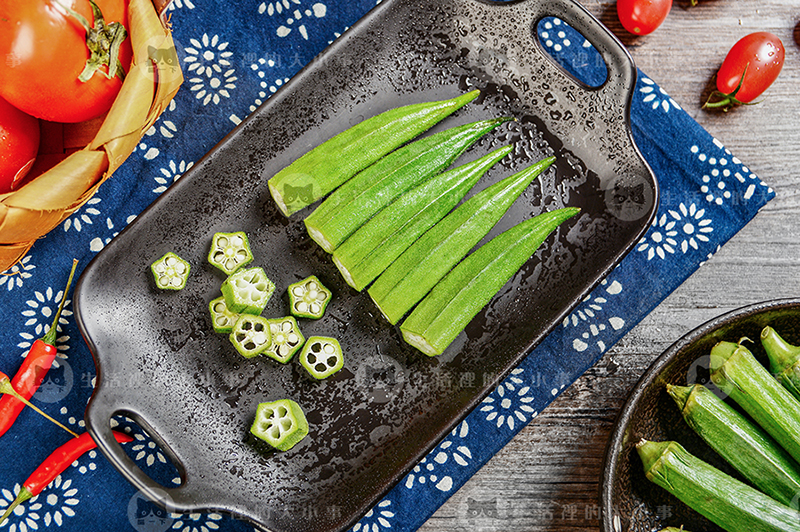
x=234 y=56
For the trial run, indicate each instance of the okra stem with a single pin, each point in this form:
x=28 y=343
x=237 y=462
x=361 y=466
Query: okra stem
x=327 y=166
x=784 y=360
x=730 y=503
x=741 y=443
x=737 y=373
x=427 y=260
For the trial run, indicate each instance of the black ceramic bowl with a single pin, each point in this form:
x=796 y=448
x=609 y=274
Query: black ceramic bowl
x=631 y=502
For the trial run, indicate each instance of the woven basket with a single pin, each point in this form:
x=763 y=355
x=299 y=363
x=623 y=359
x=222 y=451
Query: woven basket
x=75 y=159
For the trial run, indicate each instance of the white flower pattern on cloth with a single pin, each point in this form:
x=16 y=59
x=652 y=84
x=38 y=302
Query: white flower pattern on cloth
x=294 y=14
x=510 y=402
x=98 y=243
x=209 y=61
x=196 y=522
x=721 y=168
x=266 y=89
x=589 y=312
x=169 y=174
x=377 y=519
x=428 y=471
x=15 y=276
x=681 y=229
x=554 y=36
x=83 y=215
x=48 y=508
x=656 y=96
x=40 y=313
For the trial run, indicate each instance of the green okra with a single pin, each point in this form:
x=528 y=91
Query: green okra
x=724 y=500
x=375 y=187
x=281 y=423
x=736 y=372
x=741 y=443
x=230 y=251
x=251 y=335
x=377 y=243
x=406 y=281
x=308 y=298
x=222 y=318
x=286 y=339
x=247 y=291
x=170 y=271
x=322 y=356
x=463 y=292
x=325 y=167
x=784 y=360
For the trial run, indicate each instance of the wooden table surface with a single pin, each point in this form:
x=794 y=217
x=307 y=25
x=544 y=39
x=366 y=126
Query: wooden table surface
x=547 y=478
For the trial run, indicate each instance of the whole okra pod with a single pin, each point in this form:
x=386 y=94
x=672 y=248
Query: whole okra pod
x=737 y=373
x=730 y=503
x=740 y=442
x=784 y=360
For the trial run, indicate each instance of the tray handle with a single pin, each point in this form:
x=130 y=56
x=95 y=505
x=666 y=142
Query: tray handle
x=621 y=79
x=188 y=497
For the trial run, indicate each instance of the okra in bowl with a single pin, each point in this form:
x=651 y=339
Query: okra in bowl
x=631 y=501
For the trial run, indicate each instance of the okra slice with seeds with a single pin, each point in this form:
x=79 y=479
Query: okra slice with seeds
x=462 y=293
x=222 y=319
x=372 y=189
x=281 y=423
x=230 y=251
x=722 y=499
x=308 y=298
x=376 y=244
x=324 y=168
x=737 y=373
x=741 y=443
x=784 y=360
x=247 y=291
x=406 y=281
x=170 y=271
x=251 y=335
x=286 y=339
x=322 y=356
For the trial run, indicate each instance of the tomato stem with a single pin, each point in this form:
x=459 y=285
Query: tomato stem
x=103 y=41
x=728 y=100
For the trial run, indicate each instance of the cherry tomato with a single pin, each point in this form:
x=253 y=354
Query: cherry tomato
x=19 y=141
x=641 y=17
x=44 y=51
x=754 y=62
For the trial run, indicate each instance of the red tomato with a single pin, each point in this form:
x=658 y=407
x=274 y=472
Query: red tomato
x=44 y=51
x=761 y=54
x=19 y=141
x=641 y=17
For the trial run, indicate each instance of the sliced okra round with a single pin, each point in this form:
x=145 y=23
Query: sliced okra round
x=309 y=298
x=170 y=272
x=222 y=318
x=286 y=339
x=247 y=291
x=322 y=356
x=230 y=251
x=281 y=423
x=251 y=335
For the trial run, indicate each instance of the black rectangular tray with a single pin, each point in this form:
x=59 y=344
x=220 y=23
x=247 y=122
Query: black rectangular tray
x=196 y=396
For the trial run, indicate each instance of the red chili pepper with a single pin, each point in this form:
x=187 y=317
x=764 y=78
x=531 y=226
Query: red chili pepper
x=33 y=369
x=54 y=465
